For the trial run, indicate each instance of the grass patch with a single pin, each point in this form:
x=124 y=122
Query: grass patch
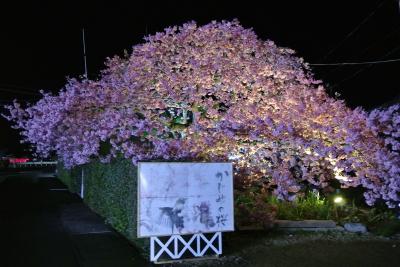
x=309 y=207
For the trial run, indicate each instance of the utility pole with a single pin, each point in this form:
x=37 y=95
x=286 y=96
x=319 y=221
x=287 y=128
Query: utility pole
x=82 y=191
x=84 y=52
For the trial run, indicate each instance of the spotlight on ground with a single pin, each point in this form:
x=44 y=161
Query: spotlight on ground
x=338 y=200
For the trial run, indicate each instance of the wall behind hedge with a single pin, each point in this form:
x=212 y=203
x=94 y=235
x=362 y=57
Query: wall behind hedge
x=109 y=190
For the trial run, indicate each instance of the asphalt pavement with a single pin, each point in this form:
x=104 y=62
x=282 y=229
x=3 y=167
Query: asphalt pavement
x=43 y=224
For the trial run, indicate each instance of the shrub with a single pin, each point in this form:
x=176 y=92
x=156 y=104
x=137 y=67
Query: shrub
x=70 y=177
x=387 y=228
x=251 y=209
x=308 y=207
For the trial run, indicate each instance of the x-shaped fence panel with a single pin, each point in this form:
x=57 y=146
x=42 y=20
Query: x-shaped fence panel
x=176 y=251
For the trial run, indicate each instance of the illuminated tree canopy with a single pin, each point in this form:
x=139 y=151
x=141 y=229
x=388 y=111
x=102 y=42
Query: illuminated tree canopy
x=219 y=93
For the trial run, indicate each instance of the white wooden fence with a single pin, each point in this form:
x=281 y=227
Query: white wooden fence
x=32 y=164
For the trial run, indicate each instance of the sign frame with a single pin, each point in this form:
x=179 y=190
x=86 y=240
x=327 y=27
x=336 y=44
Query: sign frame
x=138 y=218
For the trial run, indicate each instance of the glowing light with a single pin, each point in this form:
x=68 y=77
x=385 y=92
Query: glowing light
x=18 y=160
x=341 y=177
x=338 y=174
x=338 y=200
x=308 y=151
x=234 y=156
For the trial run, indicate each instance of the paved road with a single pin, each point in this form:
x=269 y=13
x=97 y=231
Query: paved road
x=42 y=224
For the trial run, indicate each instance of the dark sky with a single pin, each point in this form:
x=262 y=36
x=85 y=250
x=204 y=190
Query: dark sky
x=41 y=43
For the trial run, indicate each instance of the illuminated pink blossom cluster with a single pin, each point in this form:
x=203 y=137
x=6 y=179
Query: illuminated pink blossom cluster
x=219 y=93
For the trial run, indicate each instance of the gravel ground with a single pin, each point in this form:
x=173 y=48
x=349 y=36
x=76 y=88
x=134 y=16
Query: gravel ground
x=305 y=249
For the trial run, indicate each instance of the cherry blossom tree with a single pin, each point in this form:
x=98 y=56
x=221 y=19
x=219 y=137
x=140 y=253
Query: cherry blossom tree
x=219 y=93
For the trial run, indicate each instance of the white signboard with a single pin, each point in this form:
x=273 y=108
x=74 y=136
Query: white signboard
x=184 y=198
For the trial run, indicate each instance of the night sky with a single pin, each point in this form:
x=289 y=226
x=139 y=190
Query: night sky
x=41 y=44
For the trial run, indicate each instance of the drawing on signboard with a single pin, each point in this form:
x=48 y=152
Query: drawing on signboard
x=184 y=198
x=171 y=216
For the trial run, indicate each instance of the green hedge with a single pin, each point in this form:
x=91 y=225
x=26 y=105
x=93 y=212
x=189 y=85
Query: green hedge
x=71 y=178
x=109 y=190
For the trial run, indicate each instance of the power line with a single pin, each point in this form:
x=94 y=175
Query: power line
x=11 y=99
x=18 y=90
x=394 y=50
x=355 y=63
x=370 y=15
x=22 y=88
x=389 y=34
x=5 y=90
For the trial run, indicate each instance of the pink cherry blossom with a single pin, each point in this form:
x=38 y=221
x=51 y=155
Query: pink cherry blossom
x=219 y=93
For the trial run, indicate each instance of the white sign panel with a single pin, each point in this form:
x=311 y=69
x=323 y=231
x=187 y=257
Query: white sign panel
x=184 y=198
